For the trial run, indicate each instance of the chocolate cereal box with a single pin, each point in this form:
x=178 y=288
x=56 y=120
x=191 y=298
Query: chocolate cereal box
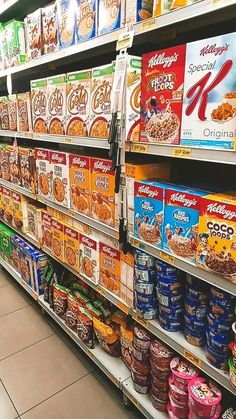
x=12 y=110
x=80 y=181
x=33 y=31
x=19 y=211
x=66 y=14
x=60 y=178
x=24 y=116
x=7 y=205
x=39 y=105
x=132 y=98
x=14 y=167
x=86 y=20
x=50 y=28
x=162 y=95
x=110 y=15
x=27 y=169
x=78 y=103
x=44 y=172
x=72 y=244
x=89 y=258
x=56 y=104
x=4 y=112
x=209 y=111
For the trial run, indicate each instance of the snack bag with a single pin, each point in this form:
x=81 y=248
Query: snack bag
x=107 y=338
x=71 y=312
x=85 y=327
x=126 y=340
x=60 y=295
x=49 y=28
x=33 y=30
x=39 y=105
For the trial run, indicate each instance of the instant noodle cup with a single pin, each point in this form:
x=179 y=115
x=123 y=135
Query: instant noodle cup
x=204 y=397
x=140 y=381
x=160 y=354
x=162 y=373
x=178 y=409
x=157 y=403
x=182 y=372
x=177 y=394
x=158 y=383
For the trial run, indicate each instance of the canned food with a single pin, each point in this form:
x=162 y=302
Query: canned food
x=144 y=260
x=144 y=275
x=216 y=360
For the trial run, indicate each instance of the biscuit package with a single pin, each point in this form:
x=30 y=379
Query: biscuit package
x=72 y=244
x=100 y=108
x=78 y=103
x=44 y=172
x=14 y=167
x=4 y=112
x=39 y=105
x=110 y=15
x=66 y=14
x=24 y=117
x=60 y=178
x=132 y=98
x=56 y=104
x=89 y=258
x=27 y=169
x=12 y=110
x=49 y=28
x=109 y=274
x=138 y=10
x=58 y=239
x=80 y=181
x=15 y=37
x=33 y=30
x=86 y=20
x=46 y=222
x=162 y=95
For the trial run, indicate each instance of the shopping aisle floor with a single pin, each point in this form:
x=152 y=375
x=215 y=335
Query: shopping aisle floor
x=43 y=374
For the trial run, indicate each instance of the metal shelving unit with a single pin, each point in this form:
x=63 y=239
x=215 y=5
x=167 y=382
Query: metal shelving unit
x=26 y=236
x=17 y=188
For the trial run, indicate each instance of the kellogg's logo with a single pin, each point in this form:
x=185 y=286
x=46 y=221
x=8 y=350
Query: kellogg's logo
x=221 y=209
x=109 y=251
x=100 y=165
x=213 y=49
x=79 y=161
x=181 y=198
x=87 y=242
x=71 y=233
x=162 y=59
x=56 y=157
x=42 y=154
x=145 y=190
x=16 y=196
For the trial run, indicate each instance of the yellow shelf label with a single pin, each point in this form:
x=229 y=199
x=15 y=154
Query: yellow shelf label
x=71 y=213
x=101 y=291
x=68 y=140
x=141 y=320
x=139 y=148
x=181 y=152
x=125 y=40
x=123 y=307
x=167 y=258
x=215 y=4
x=148 y=24
x=192 y=358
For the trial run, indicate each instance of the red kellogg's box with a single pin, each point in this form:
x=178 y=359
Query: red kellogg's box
x=162 y=95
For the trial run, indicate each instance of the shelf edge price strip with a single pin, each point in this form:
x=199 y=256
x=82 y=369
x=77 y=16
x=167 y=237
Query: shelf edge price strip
x=181 y=152
x=192 y=358
x=140 y=148
x=167 y=258
x=148 y=25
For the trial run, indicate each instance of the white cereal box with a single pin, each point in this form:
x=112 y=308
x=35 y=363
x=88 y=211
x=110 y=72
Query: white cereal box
x=209 y=109
x=110 y=15
x=89 y=258
x=60 y=178
x=56 y=104
x=132 y=98
x=39 y=105
x=86 y=20
x=50 y=28
x=33 y=30
x=44 y=171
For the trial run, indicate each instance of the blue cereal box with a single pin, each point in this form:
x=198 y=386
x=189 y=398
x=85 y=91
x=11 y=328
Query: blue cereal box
x=181 y=217
x=66 y=13
x=39 y=261
x=110 y=15
x=86 y=20
x=148 y=211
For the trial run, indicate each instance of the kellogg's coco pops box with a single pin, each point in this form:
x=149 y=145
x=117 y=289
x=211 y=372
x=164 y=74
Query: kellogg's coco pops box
x=56 y=104
x=39 y=105
x=209 y=108
x=162 y=95
x=132 y=98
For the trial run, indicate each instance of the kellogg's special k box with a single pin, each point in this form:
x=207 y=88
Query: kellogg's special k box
x=209 y=108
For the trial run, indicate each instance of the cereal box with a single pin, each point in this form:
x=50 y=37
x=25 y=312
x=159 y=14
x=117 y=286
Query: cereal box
x=24 y=118
x=4 y=48
x=127 y=277
x=39 y=262
x=71 y=242
x=19 y=211
x=66 y=10
x=1 y=47
x=100 y=109
x=216 y=249
x=7 y=205
x=110 y=15
x=12 y=104
x=33 y=30
x=1 y=203
x=162 y=95
x=27 y=169
x=14 y=166
x=56 y=104
x=39 y=105
x=5 y=167
x=15 y=36
x=86 y=20
x=109 y=274
x=89 y=258
x=34 y=220
x=132 y=98
x=50 y=28
x=78 y=103
x=103 y=203
x=44 y=172
x=58 y=239
x=80 y=194
x=60 y=178
x=138 y=10
x=209 y=112
x=46 y=222
x=148 y=211
x=181 y=217
x=4 y=112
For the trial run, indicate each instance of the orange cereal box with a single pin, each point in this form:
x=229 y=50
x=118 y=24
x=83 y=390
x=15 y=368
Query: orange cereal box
x=79 y=167
x=78 y=103
x=89 y=258
x=71 y=243
x=46 y=222
x=58 y=239
x=39 y=105
x=44 y=171
x=103 y=203
x=24 y=118
x=12 y=112
x=56 y=104
x=110 y=269
x=100 y=108
x=60 y=178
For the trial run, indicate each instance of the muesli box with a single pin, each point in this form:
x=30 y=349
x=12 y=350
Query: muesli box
x=27 y=169
x=78 y=103
x=50 y=28
x=14 y=167
x=15 y=37
x=109 y=270
x=209 y=110
x=4 y=112
x=110 y=15
x=19 y=211
x=100 y=108
x=72 y=246
x=56 y=104
x=162 y=95
x=12 y=111
x=86 y=20
x=58 y=239
x=33 y=31
x=46 y=222
x=80 y=181
x=89 y=258
x=66 y=14
x=24 y=117
x=60 y=178
x=44 y=172
x=39 y=105
x=132 y=98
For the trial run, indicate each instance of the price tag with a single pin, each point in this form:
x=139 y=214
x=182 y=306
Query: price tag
x=141 y=320
x=35 y=296
x=167 y=258
x=182 y=152
x=148 y=25
x=135 y=243
x=101 y=291
x=192 y=358
x=68 y=140
x=123 y=307
x=215 y=4
x=134 y=401
x=125 y=40
x=139 y=148
x=71 y=213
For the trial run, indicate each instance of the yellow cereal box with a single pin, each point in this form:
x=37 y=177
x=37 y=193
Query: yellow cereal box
x=71 y=247
x=58 y=239
x=39 y=105
x=132 y=98
x=89 y=258
x=56 y=104
x=7 y=205
x=78 y=103
x=19 y=211
x=79 y=167
x=110 y=271
x=216 y=250
x=23 y=110
x=46 y=238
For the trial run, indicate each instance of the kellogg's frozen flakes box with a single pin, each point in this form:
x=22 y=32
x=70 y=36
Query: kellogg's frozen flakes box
x=110 y=15
x=209 y=109
x=162 y=95
x=86 y=20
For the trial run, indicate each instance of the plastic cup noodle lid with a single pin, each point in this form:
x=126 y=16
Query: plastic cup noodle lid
x=204 y=392
x=183 y=369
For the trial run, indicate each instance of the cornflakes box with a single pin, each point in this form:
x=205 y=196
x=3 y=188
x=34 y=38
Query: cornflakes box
x=149 y=211
x=13 y=159
x=24 y=117
x=80 y=181
x=50 y=28
x=181 y=218
x=72 y=246
x=34 y=220
x=86 y=20
x=33 y=31
x=58 y=239
x=89 y=258
x=46 y=222
x=216 y=248
x=110 y=15
x=44 y=172
x=60 y=178
x=103 y=202
x=162 y=95
x=39 y=105
x=209 y=113
x=27 y=166
x=19 y=211
x=66 y=14
x=132 y=98
x=109 y=273
x=4 y=112
x=138 y=10
x=7 y=205
x=12 y=111
x=100 y=108
x=56 y=104
x=78 y=103
x=15 y=37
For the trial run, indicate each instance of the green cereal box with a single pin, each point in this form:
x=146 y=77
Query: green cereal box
x=3 y=47
x=15 y=37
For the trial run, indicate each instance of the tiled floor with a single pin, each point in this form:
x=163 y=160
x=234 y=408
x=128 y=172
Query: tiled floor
x=43 y=374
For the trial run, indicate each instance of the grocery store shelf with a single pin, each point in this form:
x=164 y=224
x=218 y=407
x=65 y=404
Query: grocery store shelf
x=17 y=188
x=194 y=354
x=18 y=278
x=113 y=367
x=188 y=267
x=118 y=302
x=26 y=236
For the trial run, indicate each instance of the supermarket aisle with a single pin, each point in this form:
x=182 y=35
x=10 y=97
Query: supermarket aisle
x=40 y=376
